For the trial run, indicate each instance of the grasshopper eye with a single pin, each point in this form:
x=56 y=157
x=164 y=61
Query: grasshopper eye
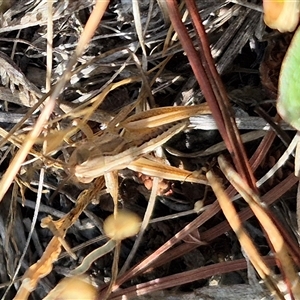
x=80 y=156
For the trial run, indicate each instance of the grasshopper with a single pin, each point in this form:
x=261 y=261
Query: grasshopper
x=127 y=144
x=140 y=134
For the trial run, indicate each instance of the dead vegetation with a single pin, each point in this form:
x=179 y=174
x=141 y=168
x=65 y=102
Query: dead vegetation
x=122 y=142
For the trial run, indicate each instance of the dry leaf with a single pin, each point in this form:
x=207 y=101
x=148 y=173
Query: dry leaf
x=282 y=15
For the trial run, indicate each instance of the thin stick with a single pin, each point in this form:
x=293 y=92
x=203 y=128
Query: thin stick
x=49 y=45
x=144 y=225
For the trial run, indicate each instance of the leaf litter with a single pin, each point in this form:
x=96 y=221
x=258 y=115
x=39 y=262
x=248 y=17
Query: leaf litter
x=133 y=62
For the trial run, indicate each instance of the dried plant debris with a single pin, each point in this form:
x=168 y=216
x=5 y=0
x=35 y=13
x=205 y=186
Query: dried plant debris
x=107 y=140
x=23 y=91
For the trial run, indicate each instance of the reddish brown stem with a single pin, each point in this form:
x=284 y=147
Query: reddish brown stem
x=239 y=154
x=210 y=234
x=212 y=87
x=185 y=277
